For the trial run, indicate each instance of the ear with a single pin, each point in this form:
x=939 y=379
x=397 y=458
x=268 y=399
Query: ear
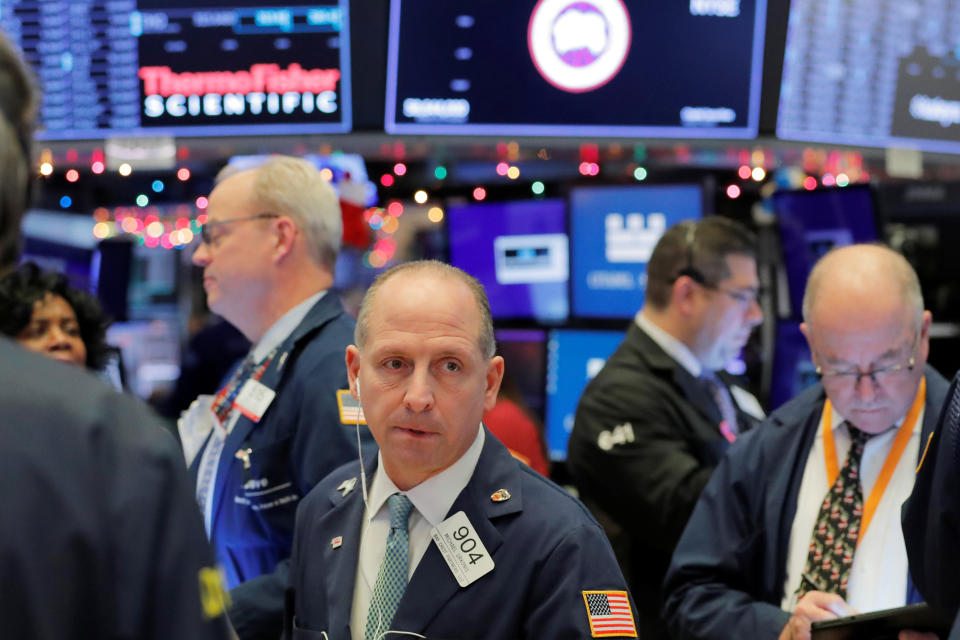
x=805 y=330
x=285 y=236
x=683 y=294
x=925 y=335
x=494 y=378
x=352 y=359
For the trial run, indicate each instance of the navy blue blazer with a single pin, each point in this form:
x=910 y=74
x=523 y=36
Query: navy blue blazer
x=931 y=517
x=546 y=547
x=726 y=577
x=298 y=441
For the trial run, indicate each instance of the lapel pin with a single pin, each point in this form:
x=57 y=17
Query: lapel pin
x=336 y=542
x=500 y=495
x=243 y=455
x=347 y=486
x=282 y=360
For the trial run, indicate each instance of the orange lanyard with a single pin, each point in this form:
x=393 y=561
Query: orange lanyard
x=893 y=458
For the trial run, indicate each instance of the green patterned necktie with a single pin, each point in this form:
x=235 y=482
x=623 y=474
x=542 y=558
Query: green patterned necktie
x=835 y=534
x=392 y=578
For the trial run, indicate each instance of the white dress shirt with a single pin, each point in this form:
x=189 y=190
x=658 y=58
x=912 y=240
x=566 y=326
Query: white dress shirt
x=680 y=352
x=878 y=577
x=276 y=334
x=432 y=500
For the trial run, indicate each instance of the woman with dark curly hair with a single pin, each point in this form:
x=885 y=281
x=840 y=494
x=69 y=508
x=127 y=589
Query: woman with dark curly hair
x=43 y=313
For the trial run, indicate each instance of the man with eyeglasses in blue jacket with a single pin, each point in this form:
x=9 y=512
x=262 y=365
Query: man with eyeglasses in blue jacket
x=276 y=428
x=801 y=520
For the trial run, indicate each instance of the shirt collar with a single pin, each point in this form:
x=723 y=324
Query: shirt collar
x=433 y=497
x=284 y=326
x=837 y=420
x=674 y=348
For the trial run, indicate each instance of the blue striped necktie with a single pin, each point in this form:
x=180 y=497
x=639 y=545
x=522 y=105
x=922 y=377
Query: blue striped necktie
x=392 y=578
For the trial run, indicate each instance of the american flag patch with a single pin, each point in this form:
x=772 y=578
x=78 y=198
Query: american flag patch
x=609 y=614
x=349 y=408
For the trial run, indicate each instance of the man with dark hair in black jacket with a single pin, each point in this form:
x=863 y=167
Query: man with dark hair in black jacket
x=653 y=424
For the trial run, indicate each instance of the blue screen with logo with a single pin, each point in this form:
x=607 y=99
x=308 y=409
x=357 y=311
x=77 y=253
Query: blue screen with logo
x=518 y=251
x=574 y=357
x=614 y=231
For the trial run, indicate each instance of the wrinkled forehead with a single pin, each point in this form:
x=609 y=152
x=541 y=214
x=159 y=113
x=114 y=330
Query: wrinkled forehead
x=430 y=306
x=863 y=337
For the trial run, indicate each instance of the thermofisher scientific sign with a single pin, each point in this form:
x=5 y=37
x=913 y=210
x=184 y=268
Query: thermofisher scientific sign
x=681 y=68
x=172 y=68
x=280 y=69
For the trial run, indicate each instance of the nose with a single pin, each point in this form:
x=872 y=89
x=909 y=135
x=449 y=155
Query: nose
x=754 y=313
x=201 y=255
x=865 y=387
x=419 y=394
x=58 y=339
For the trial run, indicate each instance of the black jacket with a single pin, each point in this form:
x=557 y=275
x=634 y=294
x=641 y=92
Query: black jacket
x=931 y=517
x=100 y=535
x=645 y=440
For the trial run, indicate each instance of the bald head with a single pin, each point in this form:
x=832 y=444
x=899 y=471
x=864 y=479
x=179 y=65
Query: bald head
x=868 y=333
x=862 y=281
x=485 y=339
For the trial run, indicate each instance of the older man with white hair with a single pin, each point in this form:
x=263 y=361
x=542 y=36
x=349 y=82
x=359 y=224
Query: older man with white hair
x=268 y=252
x=801 y=521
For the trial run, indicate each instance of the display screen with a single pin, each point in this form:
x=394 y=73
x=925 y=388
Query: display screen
x=872 y=73
x=518 y=251
x=153 y=67
x=687 y=68
x=524 y=354
x=813 y=222
x=793 y=370
x=614 y=231
x=574 y=357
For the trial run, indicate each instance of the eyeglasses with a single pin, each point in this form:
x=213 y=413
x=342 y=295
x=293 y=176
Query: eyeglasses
x=744 y=297
x=878 y=375
x=206 y=232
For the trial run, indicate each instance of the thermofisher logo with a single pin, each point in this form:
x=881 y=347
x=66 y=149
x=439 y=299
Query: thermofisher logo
x=264 y=87
x=579 y=45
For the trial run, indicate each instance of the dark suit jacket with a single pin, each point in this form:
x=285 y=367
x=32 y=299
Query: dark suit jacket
x=645 y=440
x=298 y=441
x=546 y=547
x=931 y=517
x=726 y=577
x=100 y=535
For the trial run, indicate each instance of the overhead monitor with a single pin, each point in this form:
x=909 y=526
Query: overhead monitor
x=681 y=69
x=574 y=357
x=813 y=222
x=614 y=231
x=872 y=73
x=793 y=370
x=172 y=68
x=518 y=251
